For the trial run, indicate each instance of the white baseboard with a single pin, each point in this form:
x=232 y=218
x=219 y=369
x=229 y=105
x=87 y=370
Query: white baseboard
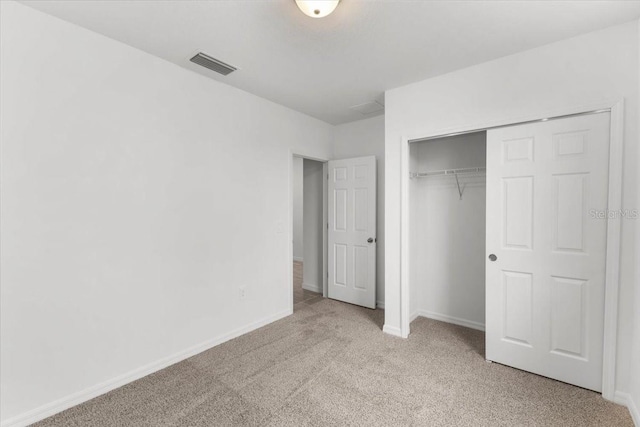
x=297 y=258
x=74 y=399
x=449 y=319
x=392 y=330
x=380 y=304
x=312 y=288
x=626 y=400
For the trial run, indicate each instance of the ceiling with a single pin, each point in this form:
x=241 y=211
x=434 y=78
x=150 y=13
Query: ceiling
x=322 y=67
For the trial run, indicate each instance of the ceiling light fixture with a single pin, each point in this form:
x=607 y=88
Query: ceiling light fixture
x=317 y=8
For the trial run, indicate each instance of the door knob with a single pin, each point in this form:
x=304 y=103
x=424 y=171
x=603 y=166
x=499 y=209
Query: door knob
x=370 y=240
x=492 y=257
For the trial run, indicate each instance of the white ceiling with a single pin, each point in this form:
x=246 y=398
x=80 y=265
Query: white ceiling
x=322 y=67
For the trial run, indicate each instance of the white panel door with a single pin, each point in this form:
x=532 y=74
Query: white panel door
x=545 y=288
x=352 y=231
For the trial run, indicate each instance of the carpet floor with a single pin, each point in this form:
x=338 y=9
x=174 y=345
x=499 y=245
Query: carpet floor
x=329 y=364
x=300 y=294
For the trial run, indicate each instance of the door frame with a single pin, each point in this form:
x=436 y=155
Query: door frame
x=309 y=156
x=612 y=279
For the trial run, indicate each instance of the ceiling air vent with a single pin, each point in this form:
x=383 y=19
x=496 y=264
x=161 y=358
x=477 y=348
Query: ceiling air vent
x=368 y=108
x=213 y=64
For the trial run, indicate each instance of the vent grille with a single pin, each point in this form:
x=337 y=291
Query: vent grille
x=213 y=64
x=368 y=108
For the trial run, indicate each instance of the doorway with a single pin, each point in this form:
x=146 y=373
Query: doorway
x=332 y=251
x=308 y=265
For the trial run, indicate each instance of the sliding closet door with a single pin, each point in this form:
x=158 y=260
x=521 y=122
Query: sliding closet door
x=546 y=244
x=352 y=231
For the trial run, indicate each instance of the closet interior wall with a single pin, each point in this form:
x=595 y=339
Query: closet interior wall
x=447 y=264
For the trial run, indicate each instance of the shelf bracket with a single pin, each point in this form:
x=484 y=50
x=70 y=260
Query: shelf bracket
x=460 y=189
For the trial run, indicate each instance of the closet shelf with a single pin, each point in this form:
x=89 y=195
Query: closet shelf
x=444 y=172
x=465 y=172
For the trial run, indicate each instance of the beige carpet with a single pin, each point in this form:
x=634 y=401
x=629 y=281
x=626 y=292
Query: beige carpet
x=329 y=364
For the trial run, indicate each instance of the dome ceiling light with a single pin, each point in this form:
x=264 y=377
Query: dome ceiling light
x=317 y=8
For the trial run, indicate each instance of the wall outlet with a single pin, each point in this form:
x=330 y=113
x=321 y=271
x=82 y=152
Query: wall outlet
x=242 y=292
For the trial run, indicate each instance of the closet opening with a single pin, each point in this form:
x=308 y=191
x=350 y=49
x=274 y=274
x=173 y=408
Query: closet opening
x=542 y=176
x=448 y=229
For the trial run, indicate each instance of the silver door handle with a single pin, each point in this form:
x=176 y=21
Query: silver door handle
x=370 y=240
x=492 y=257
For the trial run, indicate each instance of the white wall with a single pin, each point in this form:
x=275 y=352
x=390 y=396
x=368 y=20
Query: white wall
x=313 y=225
x=589 y=69
x=298 y=184
x=359 y=139
x=448 y=233
x=134 y=196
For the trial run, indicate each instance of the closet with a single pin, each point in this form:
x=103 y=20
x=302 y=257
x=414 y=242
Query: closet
x=504 y=236
x=448 y=227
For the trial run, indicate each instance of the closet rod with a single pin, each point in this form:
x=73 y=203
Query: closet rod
x=448 y=172
x=446 y=135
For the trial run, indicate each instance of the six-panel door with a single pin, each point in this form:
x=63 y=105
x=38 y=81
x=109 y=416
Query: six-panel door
x=352 y=231
x=546 y=197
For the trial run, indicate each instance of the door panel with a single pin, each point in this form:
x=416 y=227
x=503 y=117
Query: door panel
x=352 y=222
x=568 y=316
x=545 y=290
x=518 y=212
x=517 y=294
